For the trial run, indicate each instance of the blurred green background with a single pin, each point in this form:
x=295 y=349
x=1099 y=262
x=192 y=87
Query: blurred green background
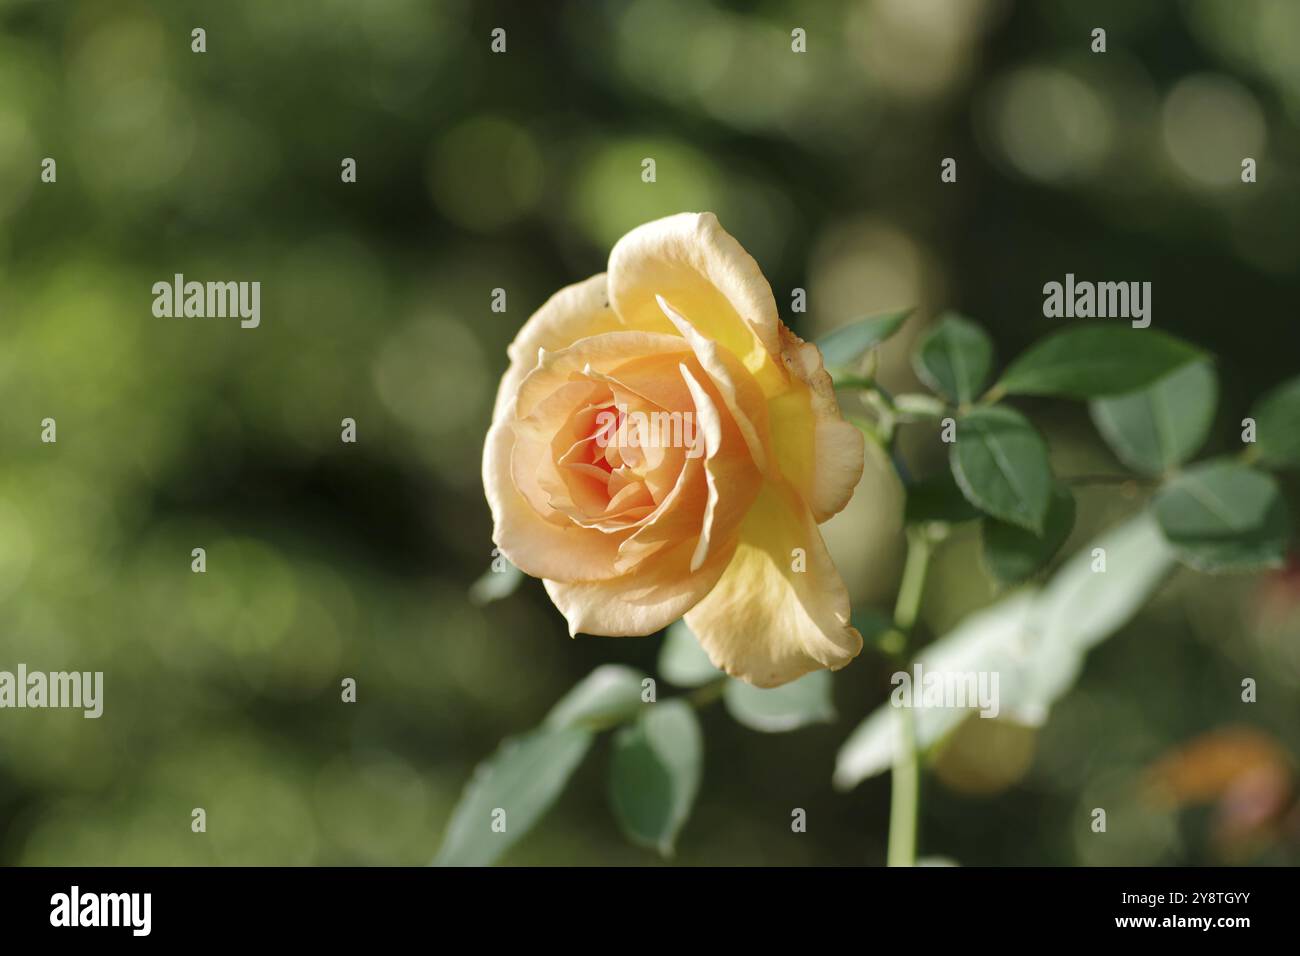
x=478 y=171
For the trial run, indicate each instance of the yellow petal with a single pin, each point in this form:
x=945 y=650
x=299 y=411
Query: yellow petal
x=575 y=312
x=678 y=517
x=530 y=542
x=727 y=466
x=741 y=395
x=765 y=622
x=821 y=453
x=532 y=464
x=693 y=262
x=597 y=354
x=660 y=592
x=708 y=503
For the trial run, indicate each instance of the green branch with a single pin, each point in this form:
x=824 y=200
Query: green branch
x=905 y=781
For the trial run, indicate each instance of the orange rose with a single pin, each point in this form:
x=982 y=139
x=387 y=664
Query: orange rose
x=662 y=445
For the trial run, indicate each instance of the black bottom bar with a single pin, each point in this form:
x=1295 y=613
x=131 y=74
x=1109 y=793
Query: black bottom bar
x=926 y=905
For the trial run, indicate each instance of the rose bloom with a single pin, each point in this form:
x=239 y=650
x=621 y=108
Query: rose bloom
x=716 y=518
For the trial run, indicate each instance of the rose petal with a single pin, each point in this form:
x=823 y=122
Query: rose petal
x=678 y=517
x=765 y=622
x=530 y=542
x=815 y=447
x=576 y=311
x=694 y=263
x=638 y=604
x=533 y=464
x=588 y=357
x=653 y=378
x=738 y=501
x=711 y=518
x=741 y=395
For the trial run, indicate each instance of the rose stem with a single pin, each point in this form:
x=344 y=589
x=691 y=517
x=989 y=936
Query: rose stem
x=905 y=777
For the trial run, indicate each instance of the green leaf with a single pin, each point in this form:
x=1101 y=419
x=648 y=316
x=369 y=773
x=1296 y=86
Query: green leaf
x=608 y=695
x=1034 y=641
x=1095 y=360
x=987 y=640
x=1000 y=464
x=1083 y=605
x=655 y=774
x=842 y=347
x=777 y=709
x=955 y=358
x=1277 y=426
x=682 y=661
x=1224 y=516
x=1012 y=554
x=937 y=498
x=1160 y=427
x=523 y=778
x=493 y=585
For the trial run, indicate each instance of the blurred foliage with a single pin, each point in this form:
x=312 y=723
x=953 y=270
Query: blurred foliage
x=478 y=171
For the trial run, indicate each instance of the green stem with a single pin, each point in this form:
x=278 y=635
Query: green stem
x=905 y=784
x=905 y=779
